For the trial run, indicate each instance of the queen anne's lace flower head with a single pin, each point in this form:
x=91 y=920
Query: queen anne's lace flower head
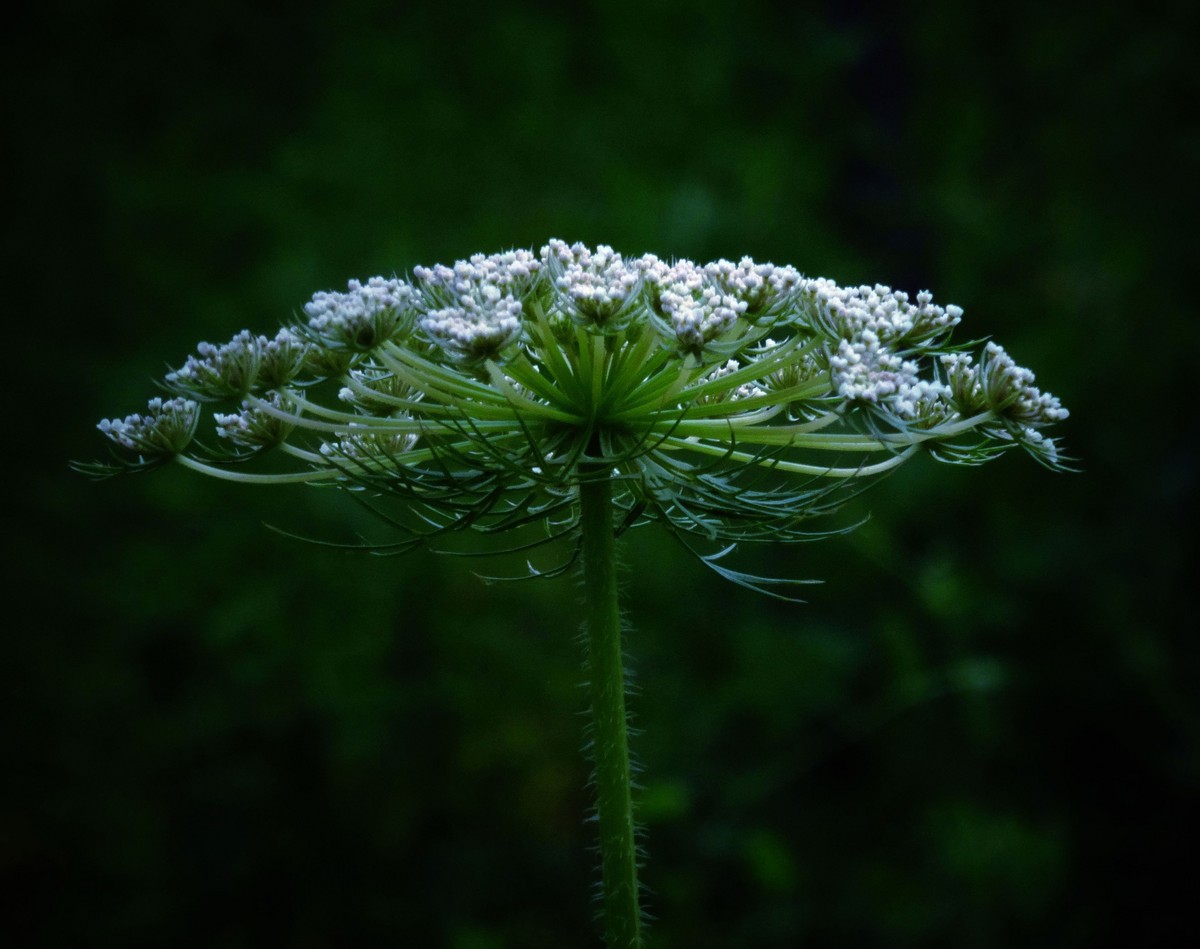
x=726 y=399
x=575 y=393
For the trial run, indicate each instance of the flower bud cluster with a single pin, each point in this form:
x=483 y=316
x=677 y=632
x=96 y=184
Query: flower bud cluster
x=699 y=317
x=281 y=359
x=473 y=310
x=510 y=272
x=746 y=390
x=366 y=445
x=963 y=381
x=378 y=393
x=997 y=384
x=166 y=429
x=365 y=315
x=596 y=286
x=480 y=328
x=864 y=371
x=220 y=372
x=253 y=427
x=925 y=401
x=696 y=308
x=246 y=363
x=764 y=288
x=1039 y=445
x=849 y=312
x=1010 y=390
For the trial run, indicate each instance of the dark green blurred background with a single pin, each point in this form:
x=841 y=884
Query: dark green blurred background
x=981 y=731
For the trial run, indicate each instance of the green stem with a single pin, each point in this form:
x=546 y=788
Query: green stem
x=610 y=728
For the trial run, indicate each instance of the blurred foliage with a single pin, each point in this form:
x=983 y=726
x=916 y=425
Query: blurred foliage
x=982 y=731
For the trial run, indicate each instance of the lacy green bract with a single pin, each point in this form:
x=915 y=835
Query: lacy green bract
x=728 y=400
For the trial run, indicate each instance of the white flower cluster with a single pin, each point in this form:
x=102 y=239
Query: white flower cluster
x=852 y=311
x=166 y=428
x=509 y=271
x=245 y=363
x=924 y=400
x=377 y=392
x=760 y=286
x=465 y=305
x=864 y=371
x=597 y=285
x=700 y=317
x=253 y=427
x=280 y=358
x=363 y=315
x=962 y=379
x=473 y=310
x=698 y=310
x=479 y=328
x=999 y=384
x=747 y=390
x=365 y=445
x=1011 y=390
x=220 y=371
x=1040 y=444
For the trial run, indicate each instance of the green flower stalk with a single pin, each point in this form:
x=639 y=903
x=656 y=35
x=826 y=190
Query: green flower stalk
x=589 y=393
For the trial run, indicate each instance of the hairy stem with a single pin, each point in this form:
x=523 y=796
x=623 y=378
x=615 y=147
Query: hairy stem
x=610 y=729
